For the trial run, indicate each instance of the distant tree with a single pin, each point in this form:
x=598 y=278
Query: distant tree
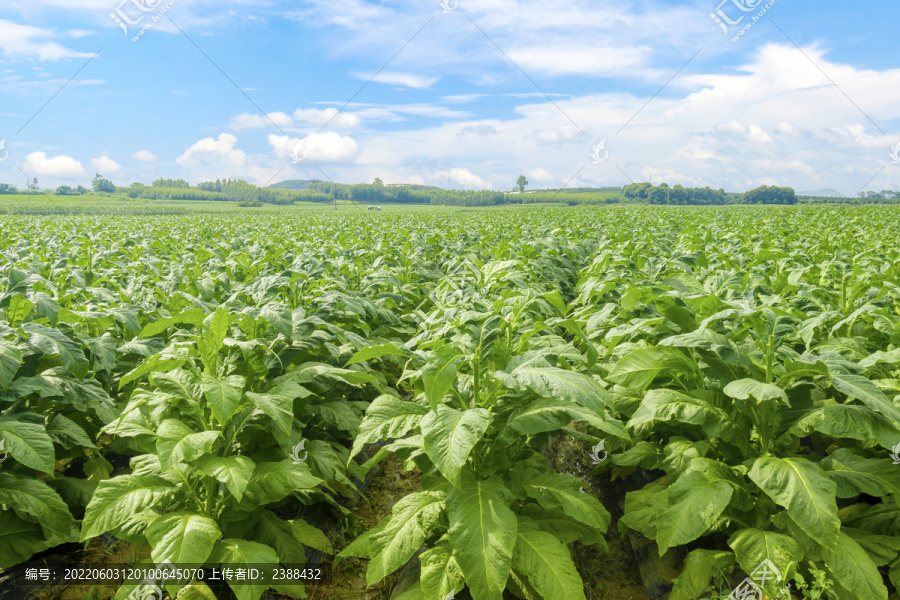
x=770 y=194
x=64 y=190
x=378 y=181
x=5 y=188
x=103 y=185
x=521 y=183
x=81 y=190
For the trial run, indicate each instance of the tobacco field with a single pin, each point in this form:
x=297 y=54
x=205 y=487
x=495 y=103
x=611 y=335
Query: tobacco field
x=198 y=386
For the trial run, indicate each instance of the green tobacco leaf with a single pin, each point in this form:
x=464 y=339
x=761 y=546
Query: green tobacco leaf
x=639 y=368
x=279 y=408
x=805 y=490
x=182 y=538
x=439 y=373
x=387 y=417
x=744 y=389
x=154 y=364
x=892 y=357
x=10 y=360
x=311 y=536
x=67 y=433
x=244 y=554
x=52 y=341
x=882 y=549
x=19 y=309
x=696 y=500
x=178 y=443
x=849 y=421
x=546 y=563
x=450 y=436
x=701 y=566
x=753 y=546
x=664 y=405
x=856 y=475
x=412 y=520
x=862 y=389
x=855 y=574
x=36 y=498
x=117 y=500
x=19 y=539
x=441 y=573
x=370 y=352
x=234 y=471
x=482 y=534
x=223 y=395
x=193 y=316
x=272 y=481
x=562 y=492
x=29 y=444
x=560 y=384
x=278 y=534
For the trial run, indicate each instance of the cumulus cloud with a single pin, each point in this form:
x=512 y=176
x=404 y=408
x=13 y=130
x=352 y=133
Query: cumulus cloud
x=212 y=158
x=144 y=156
x=324 y=147
x=105 y=165
x=63 y=167
x=459 y=177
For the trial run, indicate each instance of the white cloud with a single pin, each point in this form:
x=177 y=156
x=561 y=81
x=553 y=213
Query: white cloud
x=324 y=147
x=331 y=116
x=540 y=175
x=25 y=41
x=214 y=158
x=105 y=165
x=459 y=177
x=255 y=121
x=63 y=167
x=396 y=78
x=144 y=156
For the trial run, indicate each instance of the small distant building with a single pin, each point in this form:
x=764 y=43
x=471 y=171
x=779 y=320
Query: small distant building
x=374 y=208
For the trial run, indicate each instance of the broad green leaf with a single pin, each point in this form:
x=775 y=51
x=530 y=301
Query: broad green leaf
x=546 y=563
x=311 y=536
x=744 y=389
x=856 y=475
x=882 y=549
x=117 y=500
x=441 y=574
x=696 y=500
x=753 y=546
x=701 y=566
x=10 y=360
x=178 y=443
x=862 y=389
x=234 y=471
x=387 y=417
x=560 y=384
x=562 y=492
x=450 y=436
x=849 y=421
x=272 y=481
x=482 y=534
x=370 y=352
x=19 y=539
x=279 y=408
x=439 y=373
x=18 y=310
x=194 y=316
x=29 y=444
x=412 y=519
x=805 y=490
x=52 y=341
x=892 y=357
x=36 y=498
x=238 y=553
x=855 y=574
x=223 y=396
x=639 y=368
x=663 y=405
x=158 y=363
x=278 y=534
x=67 y=433
x=182 y=538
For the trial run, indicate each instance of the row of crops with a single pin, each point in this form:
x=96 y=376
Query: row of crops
x=198 y=385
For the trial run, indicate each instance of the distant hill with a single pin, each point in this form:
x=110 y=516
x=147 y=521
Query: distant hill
x=826 y=193
x=294 y=184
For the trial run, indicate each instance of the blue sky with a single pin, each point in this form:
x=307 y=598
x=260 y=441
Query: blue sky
x=467 y=95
